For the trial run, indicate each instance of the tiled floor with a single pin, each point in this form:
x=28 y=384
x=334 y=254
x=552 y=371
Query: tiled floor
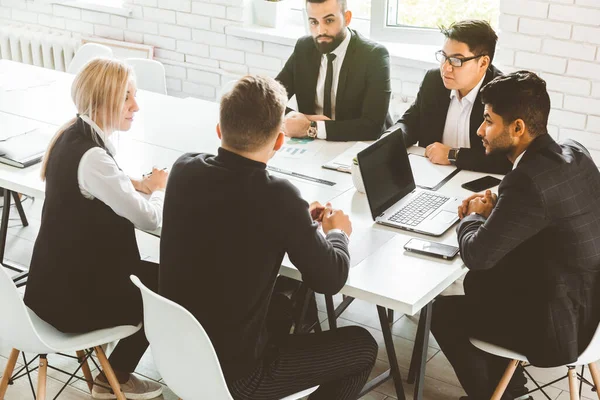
x=440 y=382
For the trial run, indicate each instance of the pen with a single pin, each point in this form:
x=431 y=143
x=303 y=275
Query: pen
x=301 y=176
x=150 y=173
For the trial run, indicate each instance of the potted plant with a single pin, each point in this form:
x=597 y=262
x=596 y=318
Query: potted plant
x=270 y=13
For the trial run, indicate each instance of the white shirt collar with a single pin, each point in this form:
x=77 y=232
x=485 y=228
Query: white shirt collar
x=340 y=51
x=472 y=95
x=105 y=138
x=518 y=159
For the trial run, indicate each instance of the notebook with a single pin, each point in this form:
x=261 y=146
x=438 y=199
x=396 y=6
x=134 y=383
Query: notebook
x=25 y=149
x=393 y=196
x=343 y=162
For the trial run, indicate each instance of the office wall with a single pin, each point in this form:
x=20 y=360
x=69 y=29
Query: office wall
x=190 y=39
x=202 y=49
x=560 y=40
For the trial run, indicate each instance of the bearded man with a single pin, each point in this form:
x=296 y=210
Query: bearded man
x=341 y=80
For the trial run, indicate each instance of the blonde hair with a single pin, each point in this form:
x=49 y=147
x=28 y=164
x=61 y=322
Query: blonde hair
x=98 y=91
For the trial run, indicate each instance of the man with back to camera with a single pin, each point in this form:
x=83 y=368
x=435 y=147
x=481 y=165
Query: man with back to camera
x=341 y=79
x=227 y=225
x=532 y=251
x=447 y=111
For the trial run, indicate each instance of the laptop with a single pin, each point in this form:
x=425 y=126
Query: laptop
x=393 y=196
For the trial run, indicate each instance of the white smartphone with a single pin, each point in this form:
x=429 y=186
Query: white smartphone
x=433 y=249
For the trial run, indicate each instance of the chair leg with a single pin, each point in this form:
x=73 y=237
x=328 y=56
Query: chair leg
x=573 y=390
x=41 y=390
x=10 y=366
x=595 y=377
x=508 y=373
x=109 y=373
x=86 y=369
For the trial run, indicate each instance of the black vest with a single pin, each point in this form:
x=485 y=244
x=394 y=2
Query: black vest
x=84 y=251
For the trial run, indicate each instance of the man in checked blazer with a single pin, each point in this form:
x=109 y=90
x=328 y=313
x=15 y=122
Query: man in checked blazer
x=533 y=251
x=341 y=79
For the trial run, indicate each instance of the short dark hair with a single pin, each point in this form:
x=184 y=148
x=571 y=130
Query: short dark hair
x=342 y=3
x=477 y=34
x=519 y=95
x=251 y=113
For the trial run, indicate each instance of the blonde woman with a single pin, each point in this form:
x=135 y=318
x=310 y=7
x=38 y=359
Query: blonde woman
x=86 y=247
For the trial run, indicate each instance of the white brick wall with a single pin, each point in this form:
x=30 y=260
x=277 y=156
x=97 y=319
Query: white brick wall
x=567 y=58
x=559 y=39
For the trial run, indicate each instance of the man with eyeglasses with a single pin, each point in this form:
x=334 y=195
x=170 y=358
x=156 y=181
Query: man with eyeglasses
x=447 y=111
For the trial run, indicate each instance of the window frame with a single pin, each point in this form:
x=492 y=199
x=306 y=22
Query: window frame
x=380 y=30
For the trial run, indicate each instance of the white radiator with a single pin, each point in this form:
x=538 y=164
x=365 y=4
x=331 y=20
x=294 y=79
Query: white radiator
x=37 y=47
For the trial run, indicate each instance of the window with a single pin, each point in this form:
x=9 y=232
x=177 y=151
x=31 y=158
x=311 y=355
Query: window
x=410 y=21
x=417 y=21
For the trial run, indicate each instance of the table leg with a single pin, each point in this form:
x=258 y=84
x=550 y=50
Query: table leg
x=391 y=352
x=5 y=220
x=414 y=360
x=331 y=317
x=20 y=209
x=4 y=235
x=420 y=355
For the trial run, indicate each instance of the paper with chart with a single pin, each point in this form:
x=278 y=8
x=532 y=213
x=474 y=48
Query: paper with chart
x=299 y=148
x=427 y=174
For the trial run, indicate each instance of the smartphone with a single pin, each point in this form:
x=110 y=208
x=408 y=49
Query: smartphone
x=481 y=184
x=433 y=249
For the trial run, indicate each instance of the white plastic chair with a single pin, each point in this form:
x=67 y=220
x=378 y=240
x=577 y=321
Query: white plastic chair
x=589 y=356
x=149 y=74
x=86 y=53
x=27 y=333
x=183 y=352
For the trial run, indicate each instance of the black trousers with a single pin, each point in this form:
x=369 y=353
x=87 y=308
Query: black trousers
x=129 y=351
x=338 y=361
x=478 y=372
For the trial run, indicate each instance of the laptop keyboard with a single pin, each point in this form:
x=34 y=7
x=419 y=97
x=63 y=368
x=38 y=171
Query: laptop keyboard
x=418 y=209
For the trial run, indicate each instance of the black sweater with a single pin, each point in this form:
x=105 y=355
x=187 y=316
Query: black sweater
x=227 y=225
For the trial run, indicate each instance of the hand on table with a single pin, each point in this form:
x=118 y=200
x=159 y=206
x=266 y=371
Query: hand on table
x=336 y=219
x=437 y=153
x=156 y=180
x=482 y=204
x=296 y=124
x=316 y=210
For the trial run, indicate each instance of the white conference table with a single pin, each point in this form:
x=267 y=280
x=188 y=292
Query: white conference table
x=382 y=273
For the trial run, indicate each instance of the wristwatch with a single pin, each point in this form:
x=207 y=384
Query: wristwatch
x=312 y=129
x=453 y=155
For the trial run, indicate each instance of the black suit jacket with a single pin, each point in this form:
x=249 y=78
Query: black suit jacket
x=363 y=92
x=535 y=262
x=424 y=123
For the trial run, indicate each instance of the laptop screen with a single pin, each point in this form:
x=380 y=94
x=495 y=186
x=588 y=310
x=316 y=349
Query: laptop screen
x=386 y=172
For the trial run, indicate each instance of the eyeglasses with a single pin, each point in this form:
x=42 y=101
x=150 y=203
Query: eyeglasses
x=454 y=61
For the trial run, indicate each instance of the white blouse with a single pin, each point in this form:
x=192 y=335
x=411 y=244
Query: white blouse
x=99 y=177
